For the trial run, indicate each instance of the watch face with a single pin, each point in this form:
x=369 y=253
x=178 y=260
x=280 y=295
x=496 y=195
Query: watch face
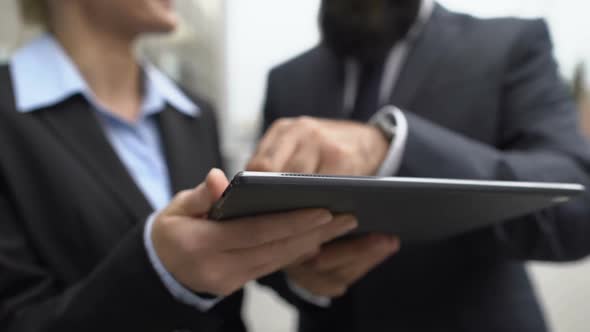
x=386 y=123
x=390 y=129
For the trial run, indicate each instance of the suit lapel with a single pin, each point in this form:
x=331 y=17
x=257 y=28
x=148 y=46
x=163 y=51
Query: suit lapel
x=76 y=125
x=432 y=45
x=186 y=147
x=189 y=153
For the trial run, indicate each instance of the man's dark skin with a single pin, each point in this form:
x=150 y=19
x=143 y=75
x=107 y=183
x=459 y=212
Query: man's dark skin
x=366 y=29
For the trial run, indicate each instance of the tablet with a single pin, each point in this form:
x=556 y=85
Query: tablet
x=415 y=209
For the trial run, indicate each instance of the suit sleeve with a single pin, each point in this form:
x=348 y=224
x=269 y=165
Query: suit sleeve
x=539 y=141
x=123 y=293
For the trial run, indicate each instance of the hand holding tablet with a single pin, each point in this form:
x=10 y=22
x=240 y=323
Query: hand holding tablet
x=219 y=258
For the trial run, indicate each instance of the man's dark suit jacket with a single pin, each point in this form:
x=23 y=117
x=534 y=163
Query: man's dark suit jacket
x=72 y=256
x=484 y=100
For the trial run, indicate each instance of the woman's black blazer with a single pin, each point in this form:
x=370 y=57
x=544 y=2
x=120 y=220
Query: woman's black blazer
x=71 y=219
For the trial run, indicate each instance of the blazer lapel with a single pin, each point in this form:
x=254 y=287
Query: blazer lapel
x=76 y=125
x=427 y=50
x=188 y=151
x=7 y=102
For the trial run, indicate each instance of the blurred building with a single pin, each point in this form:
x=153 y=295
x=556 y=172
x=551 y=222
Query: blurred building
x=584 y=103
x=582 y=94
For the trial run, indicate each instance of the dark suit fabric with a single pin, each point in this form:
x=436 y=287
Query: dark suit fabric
x=72 y=256
x=484 y=100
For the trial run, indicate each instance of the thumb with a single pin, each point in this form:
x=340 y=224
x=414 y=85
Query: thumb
x=197 y=202
x=216 y=184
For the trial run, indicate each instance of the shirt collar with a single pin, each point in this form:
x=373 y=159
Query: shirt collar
x=424 y=14
x=43 y=75
x=392 y=64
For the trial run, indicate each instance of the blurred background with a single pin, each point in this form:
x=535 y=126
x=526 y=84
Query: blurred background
x=224 y=50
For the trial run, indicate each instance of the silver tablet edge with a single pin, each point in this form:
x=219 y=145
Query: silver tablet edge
x=483 y=183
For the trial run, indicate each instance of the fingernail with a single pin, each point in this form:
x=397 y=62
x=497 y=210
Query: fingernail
x=349 y=223
x=383 y=242
x=323 y=217
x=310 y=255
x=393 y=243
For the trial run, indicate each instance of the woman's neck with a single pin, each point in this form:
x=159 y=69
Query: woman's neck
x=106 y=61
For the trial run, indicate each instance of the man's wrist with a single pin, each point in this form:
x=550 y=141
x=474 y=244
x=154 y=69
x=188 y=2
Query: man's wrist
x=391 y=121
x=385 y=122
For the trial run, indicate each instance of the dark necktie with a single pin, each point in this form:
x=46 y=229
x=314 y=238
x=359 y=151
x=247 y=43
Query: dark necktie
x=367 y=102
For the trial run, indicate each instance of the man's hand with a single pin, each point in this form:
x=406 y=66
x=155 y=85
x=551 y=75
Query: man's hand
x=340 y=264
x=220 y=257
x=309 y=145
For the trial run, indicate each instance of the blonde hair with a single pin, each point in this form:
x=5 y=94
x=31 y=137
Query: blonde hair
x=34 y=12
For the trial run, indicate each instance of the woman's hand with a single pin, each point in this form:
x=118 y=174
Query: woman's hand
x=220 y=257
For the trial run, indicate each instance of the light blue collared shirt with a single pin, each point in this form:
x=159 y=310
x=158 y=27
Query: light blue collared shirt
x=43 y=75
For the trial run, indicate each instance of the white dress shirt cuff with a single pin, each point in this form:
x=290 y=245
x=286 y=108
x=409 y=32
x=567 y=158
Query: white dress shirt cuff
x=395 y=155
x=178 y=291
x=320 y=301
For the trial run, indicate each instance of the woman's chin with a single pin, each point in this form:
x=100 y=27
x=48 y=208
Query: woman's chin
x=164 y=25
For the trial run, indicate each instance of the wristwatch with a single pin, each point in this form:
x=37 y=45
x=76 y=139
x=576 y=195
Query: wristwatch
x=384 y=120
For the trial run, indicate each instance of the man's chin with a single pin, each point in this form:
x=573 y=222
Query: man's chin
x=365 y=54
